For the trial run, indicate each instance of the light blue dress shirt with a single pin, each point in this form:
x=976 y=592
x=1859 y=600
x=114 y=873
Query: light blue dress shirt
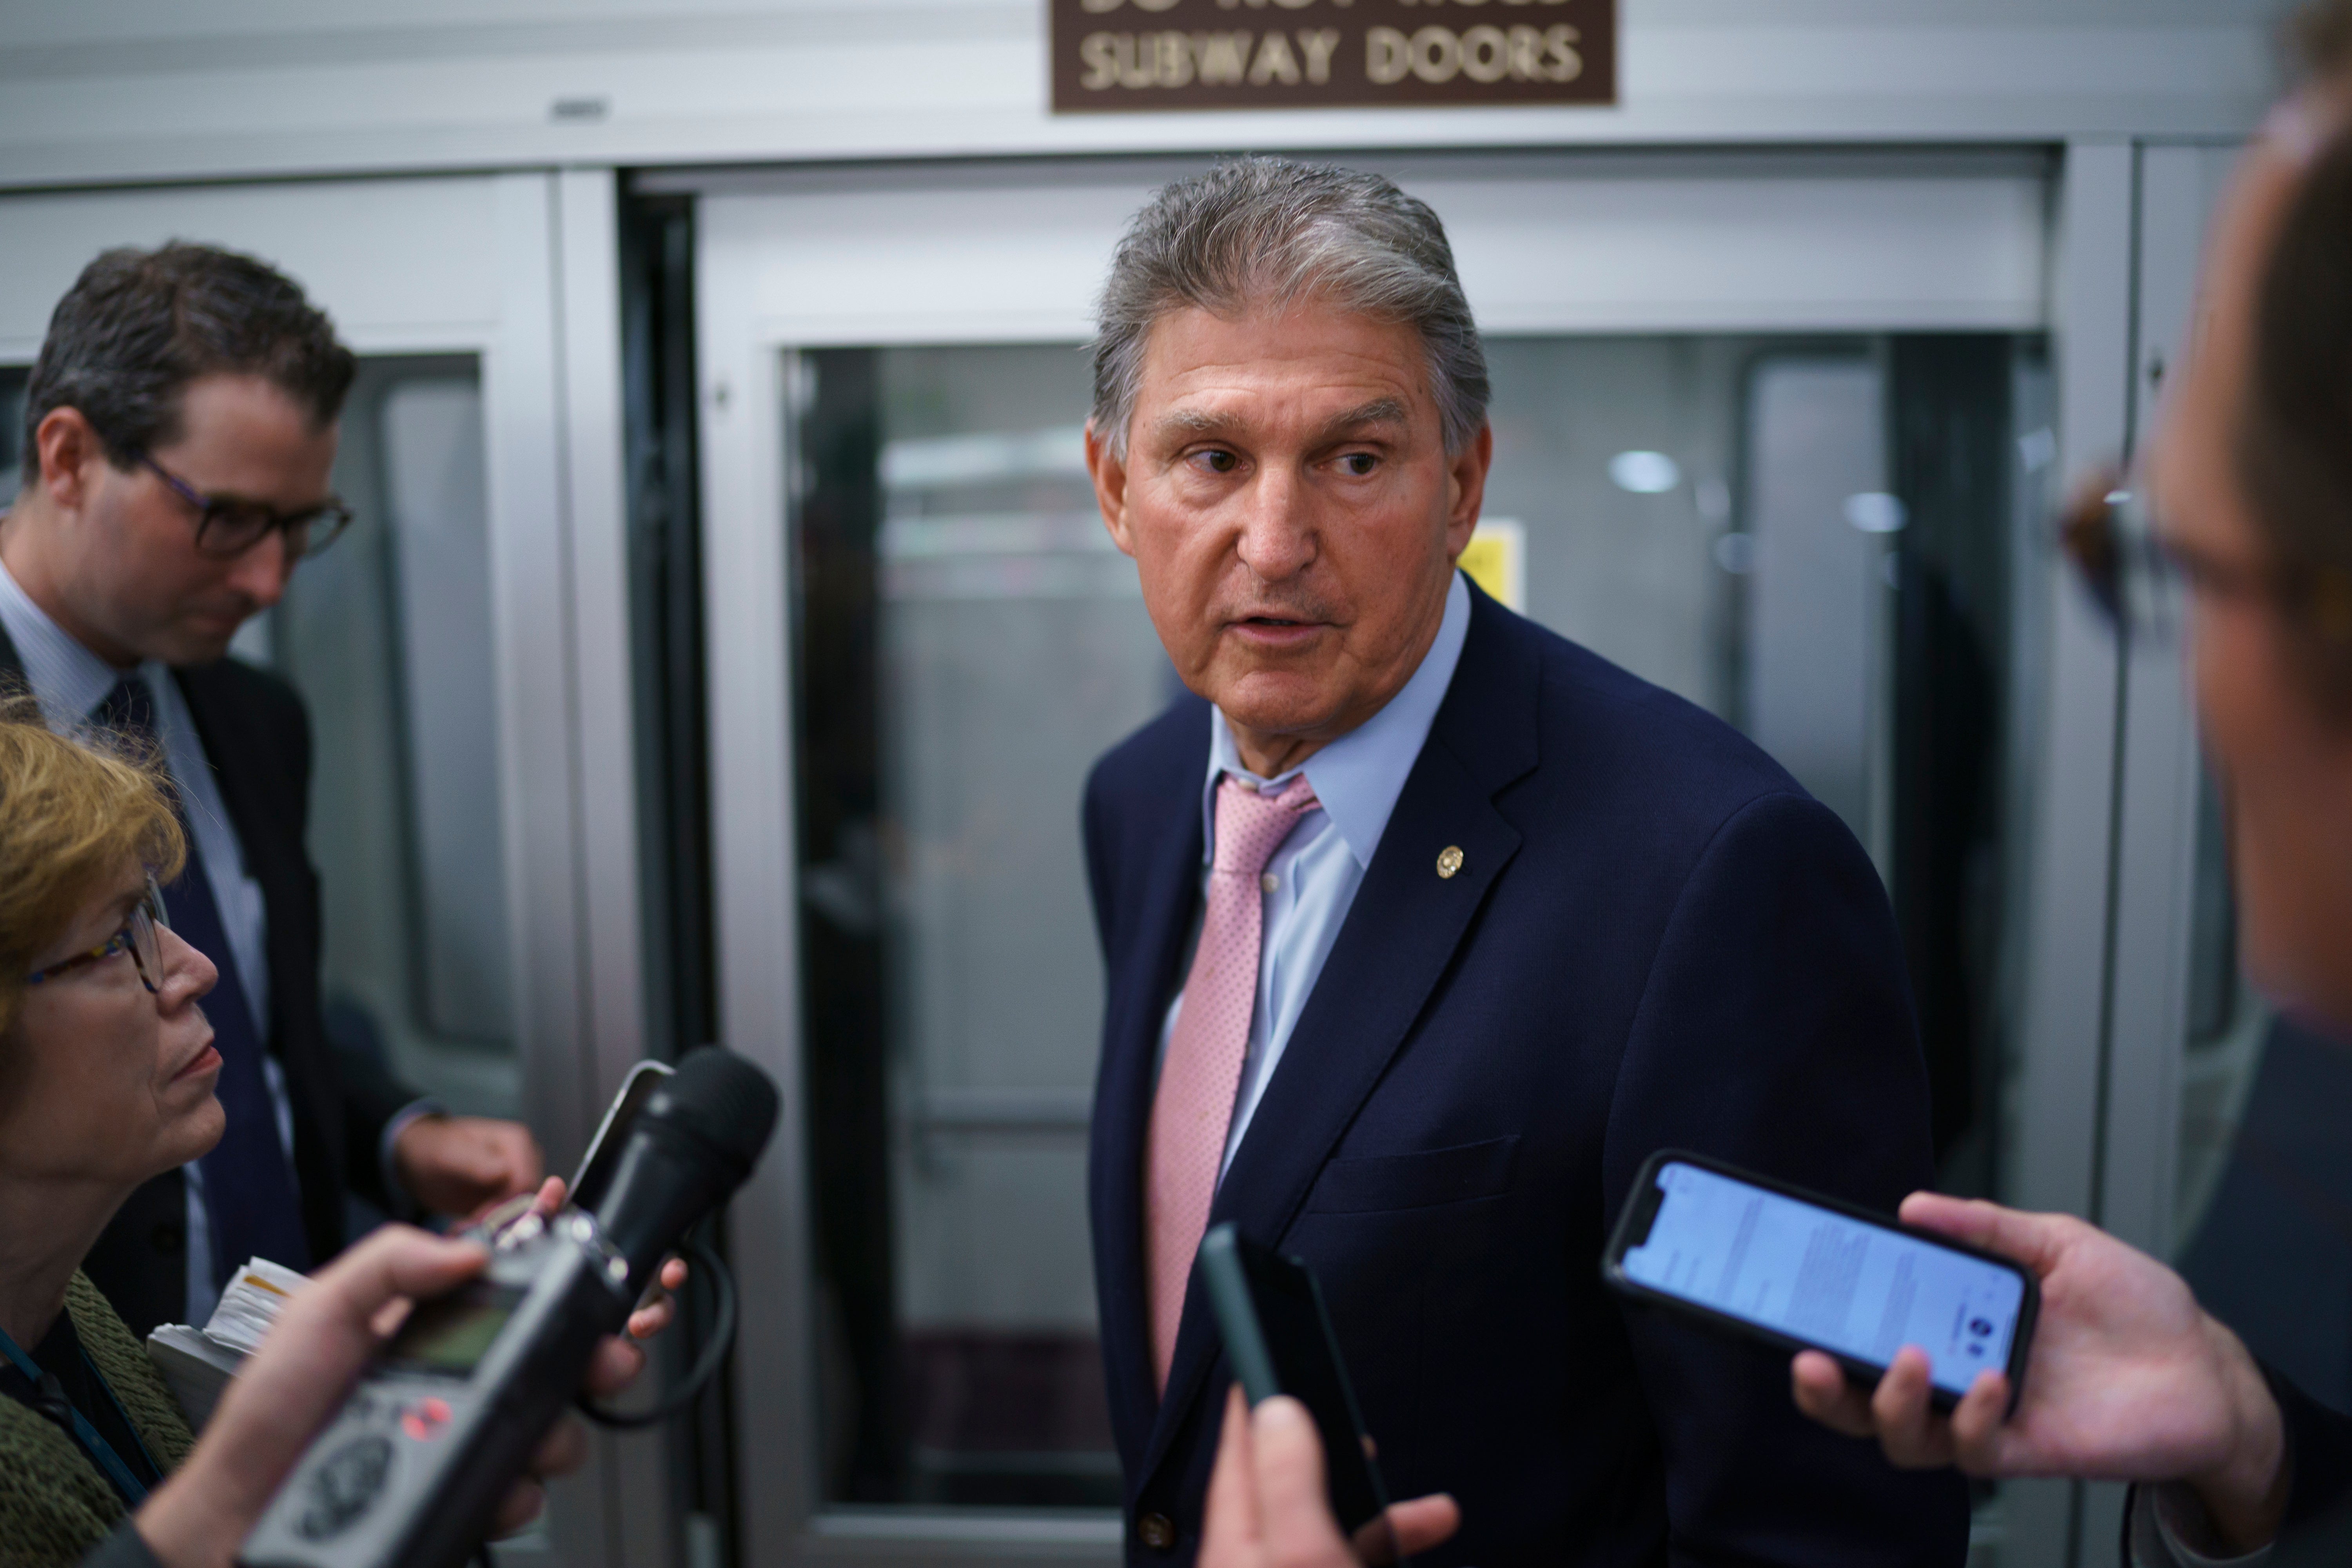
x=1313 y=878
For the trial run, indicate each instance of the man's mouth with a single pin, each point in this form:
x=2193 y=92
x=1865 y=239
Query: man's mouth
x=1274 y=625
x=202 y=1061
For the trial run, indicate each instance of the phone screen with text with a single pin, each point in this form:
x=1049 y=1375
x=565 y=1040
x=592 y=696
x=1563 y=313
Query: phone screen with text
x=1861 y=1290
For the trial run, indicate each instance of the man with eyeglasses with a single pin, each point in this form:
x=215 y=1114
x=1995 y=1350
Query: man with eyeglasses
x=179 y=427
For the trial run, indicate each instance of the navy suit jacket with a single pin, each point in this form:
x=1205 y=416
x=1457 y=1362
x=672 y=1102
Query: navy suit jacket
x=1657 y=939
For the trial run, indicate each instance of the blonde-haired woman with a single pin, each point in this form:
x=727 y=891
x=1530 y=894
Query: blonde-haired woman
x=106 y=1079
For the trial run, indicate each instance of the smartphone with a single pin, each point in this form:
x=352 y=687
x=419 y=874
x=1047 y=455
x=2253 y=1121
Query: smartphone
x=597 y=1165
x=1766 y=1261
x=1278 y=1338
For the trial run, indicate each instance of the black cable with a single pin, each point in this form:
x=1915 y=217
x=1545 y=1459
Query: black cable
x=706 y=1366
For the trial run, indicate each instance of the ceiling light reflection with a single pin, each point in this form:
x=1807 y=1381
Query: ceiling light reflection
x=1644 y=473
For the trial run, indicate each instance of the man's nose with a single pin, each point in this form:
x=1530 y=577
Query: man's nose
x=1277 y=537
x=261 y=573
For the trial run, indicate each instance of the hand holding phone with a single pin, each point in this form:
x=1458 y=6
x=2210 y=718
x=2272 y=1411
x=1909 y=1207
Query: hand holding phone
x=2127 y=1379
x=1294 y=1466
x=1267 y=1505
x=1278 y=1338
x=1757 y=1258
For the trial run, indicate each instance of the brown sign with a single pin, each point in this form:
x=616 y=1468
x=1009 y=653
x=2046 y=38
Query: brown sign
x=1314 y=54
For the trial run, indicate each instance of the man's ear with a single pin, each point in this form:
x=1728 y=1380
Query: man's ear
x=1467 y=485
x=1108 y=471
x=66 y=447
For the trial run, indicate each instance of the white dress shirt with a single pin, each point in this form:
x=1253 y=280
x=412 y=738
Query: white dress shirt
x=1312 y=880
x=70 y=682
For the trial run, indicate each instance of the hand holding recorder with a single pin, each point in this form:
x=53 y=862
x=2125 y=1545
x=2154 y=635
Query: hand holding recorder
x=2126 y=1379
x=297 y=1379
x=415 y=1468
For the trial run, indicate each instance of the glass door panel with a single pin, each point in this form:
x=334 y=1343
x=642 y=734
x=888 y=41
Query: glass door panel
x=1814 y=537
x=970 y=643
x=1820 y=540
x=388 y=636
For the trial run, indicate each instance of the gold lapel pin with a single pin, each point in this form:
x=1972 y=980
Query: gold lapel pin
x=1449 y=860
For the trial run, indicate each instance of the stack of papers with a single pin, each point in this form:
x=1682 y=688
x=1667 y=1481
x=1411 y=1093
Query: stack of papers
x=198 y=1363
x=251 y=1303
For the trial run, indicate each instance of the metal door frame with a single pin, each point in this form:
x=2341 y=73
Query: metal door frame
x=789 y=259
x=2104 y=1024
x=521 y=270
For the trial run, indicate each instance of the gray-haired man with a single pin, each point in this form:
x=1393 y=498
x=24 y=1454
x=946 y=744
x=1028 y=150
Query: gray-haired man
x=1424 y=927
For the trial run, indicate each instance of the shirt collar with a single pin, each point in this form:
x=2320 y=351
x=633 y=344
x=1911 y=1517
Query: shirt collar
x=68 y=680
x=1358 y=777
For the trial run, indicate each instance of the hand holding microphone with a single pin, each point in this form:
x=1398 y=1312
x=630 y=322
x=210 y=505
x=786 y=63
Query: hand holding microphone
x=657 y=1311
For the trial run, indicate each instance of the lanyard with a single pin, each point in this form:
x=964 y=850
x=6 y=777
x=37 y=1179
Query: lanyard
x=96 y=1445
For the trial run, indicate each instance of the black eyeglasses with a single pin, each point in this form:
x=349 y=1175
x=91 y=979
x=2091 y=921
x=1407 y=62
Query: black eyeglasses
x=137 y=936
x=2140 y=579
x=226 y=527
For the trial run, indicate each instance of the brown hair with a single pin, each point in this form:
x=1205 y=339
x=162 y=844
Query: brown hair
x=2322 y=36
x=138 y=326
x=72 y=811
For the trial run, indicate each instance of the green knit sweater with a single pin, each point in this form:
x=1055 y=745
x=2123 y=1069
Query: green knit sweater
x=55 y=1505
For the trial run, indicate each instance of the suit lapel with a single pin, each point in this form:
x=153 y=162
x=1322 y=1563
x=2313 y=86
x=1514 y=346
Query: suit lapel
x=1396 y=944
x=1168 y=897
x=219 y=726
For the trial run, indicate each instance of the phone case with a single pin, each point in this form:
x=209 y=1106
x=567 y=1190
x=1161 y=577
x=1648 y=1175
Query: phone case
x=1224 y=1261
x=1229 y=1297
x=1634 y=1226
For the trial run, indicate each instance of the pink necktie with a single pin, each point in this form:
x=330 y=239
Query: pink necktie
x=1193 y=1108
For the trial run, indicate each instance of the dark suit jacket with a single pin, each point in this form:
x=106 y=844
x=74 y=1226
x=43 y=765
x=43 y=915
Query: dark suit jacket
x=1656 y=938
x=2316 y=1531
x=2318 y=1525
x=257 y=739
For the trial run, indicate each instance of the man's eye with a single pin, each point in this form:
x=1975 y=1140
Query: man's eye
x=1218 y=462
x=1359 y=464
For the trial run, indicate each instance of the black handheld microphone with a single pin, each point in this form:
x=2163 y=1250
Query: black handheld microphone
x=690 y=1148
x=411 y=1471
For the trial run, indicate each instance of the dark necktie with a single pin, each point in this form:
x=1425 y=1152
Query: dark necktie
x=249 y=1192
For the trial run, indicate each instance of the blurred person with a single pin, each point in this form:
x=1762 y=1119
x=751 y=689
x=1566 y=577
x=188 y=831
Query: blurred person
x=1424 y=927
x=2251 y=486
x=180 y=425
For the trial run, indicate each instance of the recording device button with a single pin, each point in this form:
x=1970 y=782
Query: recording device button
x=342 y=1488
x=424 y=1419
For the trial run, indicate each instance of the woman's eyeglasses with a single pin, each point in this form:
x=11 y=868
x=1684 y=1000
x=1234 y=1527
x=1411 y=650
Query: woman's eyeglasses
x=227 y=527
x=137 y=936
